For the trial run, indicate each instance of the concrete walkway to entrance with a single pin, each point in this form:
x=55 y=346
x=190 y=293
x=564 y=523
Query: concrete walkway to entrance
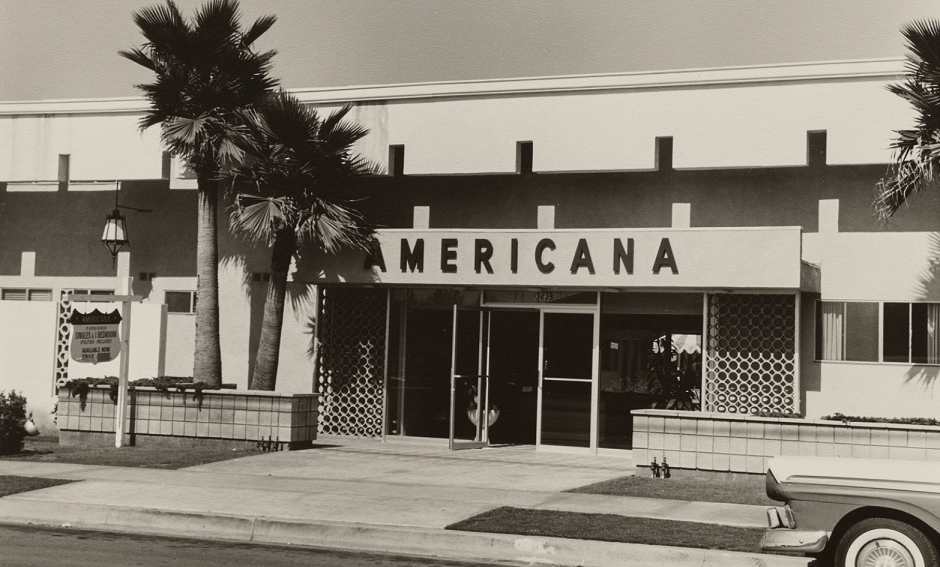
x=360 y=494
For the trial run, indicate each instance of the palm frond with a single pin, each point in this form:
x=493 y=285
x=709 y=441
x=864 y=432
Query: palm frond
x=258 y=29
x=184 y=130
x=334 y=227
x=164 y=27
x=258 y=218
x=906 y=180
x=230 y=151
x=216 y=23
x=335 y=118
x=923 y=42
x=138 y=56
x=916 y=160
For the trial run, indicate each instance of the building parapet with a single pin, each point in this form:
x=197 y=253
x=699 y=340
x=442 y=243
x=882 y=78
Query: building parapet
x=888 y=69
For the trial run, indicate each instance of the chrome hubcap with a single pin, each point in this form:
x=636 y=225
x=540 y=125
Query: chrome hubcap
x=884 y=553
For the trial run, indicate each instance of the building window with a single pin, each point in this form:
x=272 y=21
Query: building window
x=664 y=153
x=912 y=333
x=64 y=175
x=396 y=160
x=847 y=330
x=523 y=157
x=26 y=295
x=180 y=301
x=816 y=148
x=92 y=292
x=261 y=277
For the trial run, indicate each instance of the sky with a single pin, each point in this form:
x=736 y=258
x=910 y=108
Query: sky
x=67 y=49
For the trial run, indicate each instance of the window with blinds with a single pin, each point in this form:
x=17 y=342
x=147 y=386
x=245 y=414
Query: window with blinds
x=13 y=295
x=40 y=295
x=20 y=294
x=849 y=330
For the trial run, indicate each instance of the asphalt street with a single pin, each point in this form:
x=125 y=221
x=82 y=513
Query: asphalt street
x=30 y=546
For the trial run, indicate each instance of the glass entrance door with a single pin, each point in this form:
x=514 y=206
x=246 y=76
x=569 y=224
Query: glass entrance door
x=470 y=415
x=566 y=379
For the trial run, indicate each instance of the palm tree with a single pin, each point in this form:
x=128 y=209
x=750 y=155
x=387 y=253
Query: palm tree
x=206 y=72
x=300 y=168
x=916 y=152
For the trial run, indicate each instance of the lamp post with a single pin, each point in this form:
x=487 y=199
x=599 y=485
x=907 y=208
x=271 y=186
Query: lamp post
x=114 y=237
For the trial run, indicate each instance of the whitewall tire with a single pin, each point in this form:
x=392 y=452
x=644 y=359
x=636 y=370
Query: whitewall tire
x=884 y=542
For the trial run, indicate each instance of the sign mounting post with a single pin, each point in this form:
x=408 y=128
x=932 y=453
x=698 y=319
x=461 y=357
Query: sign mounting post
x=96 y=331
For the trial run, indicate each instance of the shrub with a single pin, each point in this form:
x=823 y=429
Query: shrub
x=775 y=414
x=80 y=386
x=12 y=419
x=897 y=420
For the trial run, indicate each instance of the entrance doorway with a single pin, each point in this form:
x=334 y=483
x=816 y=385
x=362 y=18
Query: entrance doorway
x=481 y=370
x=494 y=378
x=514 y=376
x=567 y=378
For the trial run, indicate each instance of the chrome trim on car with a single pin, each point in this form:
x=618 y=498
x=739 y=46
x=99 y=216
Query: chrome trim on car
x=784 y=539
x=780 y=517
x=773 y=518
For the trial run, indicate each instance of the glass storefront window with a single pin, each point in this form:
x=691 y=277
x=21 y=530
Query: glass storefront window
x=634 y=327
x=420 y=345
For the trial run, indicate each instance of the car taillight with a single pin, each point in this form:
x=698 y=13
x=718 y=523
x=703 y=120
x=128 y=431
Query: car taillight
x=773 y=488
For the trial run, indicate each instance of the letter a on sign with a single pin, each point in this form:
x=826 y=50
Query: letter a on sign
x=95 y=336
x=665 y=258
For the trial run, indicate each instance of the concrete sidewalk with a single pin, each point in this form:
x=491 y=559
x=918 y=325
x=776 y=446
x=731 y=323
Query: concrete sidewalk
x=371 y=497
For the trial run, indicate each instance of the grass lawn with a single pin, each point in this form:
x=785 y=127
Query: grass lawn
x=13 y=484
x=46 y=448
x=609 y=527
x=740 y=490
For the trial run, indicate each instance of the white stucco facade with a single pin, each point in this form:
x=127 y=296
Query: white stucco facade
x=718 y=119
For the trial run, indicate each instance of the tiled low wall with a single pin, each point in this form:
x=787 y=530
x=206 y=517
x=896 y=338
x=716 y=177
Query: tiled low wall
x=239 y=415
x=744 y=444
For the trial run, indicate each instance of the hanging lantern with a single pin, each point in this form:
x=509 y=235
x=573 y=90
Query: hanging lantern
x=114 y=237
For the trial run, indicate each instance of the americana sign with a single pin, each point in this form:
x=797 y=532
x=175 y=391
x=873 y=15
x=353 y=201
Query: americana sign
x=758 y=257
x=95 y=336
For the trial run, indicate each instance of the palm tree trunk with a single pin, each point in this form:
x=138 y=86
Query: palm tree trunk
x=207 y=364
x=265 y=375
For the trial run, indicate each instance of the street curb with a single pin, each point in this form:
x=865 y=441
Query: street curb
x=466 y=546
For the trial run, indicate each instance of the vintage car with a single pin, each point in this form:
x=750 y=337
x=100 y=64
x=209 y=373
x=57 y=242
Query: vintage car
x=855 y=512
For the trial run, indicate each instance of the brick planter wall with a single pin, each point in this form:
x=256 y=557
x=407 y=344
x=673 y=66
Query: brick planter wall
x=245 y=416
x=734 y=443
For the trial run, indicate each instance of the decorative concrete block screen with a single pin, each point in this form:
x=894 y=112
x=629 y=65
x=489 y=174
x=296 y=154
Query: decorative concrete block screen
x=751 y=353
x=744 y=444
x=351 y=361
x=62 y=338
x=250 y=416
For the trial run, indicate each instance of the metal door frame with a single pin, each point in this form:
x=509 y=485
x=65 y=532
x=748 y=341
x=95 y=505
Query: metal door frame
x=481 y=439
x=593 y=310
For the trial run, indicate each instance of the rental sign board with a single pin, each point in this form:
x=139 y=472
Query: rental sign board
x=95 y=336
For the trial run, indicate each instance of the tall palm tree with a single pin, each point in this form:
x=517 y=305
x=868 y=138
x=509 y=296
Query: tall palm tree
x=917 y=151
x=206 y=72
x=299 y=168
